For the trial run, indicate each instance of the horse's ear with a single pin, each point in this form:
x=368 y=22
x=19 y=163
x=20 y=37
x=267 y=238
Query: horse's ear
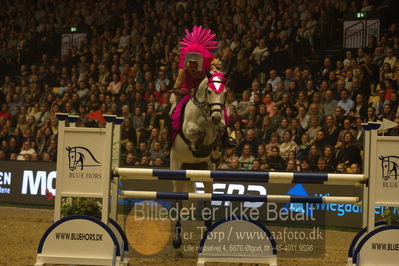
x=68 y=148
x=381 y=157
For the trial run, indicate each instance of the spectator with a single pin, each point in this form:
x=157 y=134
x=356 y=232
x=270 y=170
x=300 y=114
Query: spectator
x=297 y=131
x=284 y=126
x=259 y=58
x=355 y=169
x=322 y=165
x=346 y=129
x=274 y=79
x=345 y=103
x=234 y=164
x=26 y=149
x=275 y=161
x=303 y=117
x=228 y=157
x=2 y=155
x=320 y=141
x=266 y=129
x=348 y=152
x=305 y=167
x=371 y=114
x=274 y=142
x=158 y=162
x=314 y=128
x=243 y=106
x=261 y=156
x=341 y=169
x=360 y=106
x=390 y=58
x=46 y=157
x=378 y=105
x=269 y=103
x=330 y=103
x=303 y=149
x=156 y=152
x=313 y=157
x=287 y=145
x=162 y=79
x=144 y=161
x=291 y=167
x=328 y=154
x=250 y=140
x=13 y=156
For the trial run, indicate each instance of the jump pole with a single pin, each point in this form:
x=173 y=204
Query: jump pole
x=240 y=176
x=240 y=198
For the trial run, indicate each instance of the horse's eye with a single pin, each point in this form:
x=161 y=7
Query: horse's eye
x=209 y=92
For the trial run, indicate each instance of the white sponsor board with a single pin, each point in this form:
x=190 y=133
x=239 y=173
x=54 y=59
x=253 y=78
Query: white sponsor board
x=379 y=247
x=83 y=157
x=387 y=172
x=78 y=239
x=84 y=165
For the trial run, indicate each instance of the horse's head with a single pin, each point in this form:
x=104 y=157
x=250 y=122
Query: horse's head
x=71 y=157
x=386 y=166
x=216 y=95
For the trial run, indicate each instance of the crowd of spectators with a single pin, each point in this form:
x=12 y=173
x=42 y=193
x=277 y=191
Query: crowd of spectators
x=285 y=115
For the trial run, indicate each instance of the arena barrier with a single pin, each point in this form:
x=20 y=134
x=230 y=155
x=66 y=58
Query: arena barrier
x=84 y=170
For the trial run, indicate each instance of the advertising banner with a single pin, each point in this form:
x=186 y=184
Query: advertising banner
x=34 y=183
x=27 y=182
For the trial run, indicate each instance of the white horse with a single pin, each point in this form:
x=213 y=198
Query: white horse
x=198 y=143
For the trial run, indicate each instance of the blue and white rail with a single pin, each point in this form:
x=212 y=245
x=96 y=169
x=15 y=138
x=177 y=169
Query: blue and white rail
x=242 y=198
x=240 y=176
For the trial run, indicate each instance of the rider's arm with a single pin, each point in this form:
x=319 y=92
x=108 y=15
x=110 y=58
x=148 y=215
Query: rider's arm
x=179 y=82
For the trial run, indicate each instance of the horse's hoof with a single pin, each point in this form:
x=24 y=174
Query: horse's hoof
x=193 y=147
x=177 y=242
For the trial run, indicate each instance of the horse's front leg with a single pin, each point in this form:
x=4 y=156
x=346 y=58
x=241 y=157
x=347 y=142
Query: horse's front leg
x=220 y=128
x=192 y=132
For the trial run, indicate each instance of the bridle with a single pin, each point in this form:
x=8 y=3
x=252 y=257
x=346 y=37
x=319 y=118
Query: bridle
x=207 y=110
x=205 y=106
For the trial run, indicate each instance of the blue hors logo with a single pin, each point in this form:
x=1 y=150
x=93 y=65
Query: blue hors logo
x=80 y=157
x=389 y=165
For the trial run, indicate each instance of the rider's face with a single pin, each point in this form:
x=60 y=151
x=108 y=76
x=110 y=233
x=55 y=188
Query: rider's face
x=193 y=65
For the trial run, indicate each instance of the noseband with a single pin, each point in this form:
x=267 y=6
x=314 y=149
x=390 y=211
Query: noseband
x=205 y=105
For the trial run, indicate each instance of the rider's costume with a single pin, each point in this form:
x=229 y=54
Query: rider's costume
x=196 y=46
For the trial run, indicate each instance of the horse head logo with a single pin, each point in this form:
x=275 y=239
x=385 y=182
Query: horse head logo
x=389 y=167
x=81 y=157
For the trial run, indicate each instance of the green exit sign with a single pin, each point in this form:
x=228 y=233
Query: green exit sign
x=74 y=29
x=360 y=15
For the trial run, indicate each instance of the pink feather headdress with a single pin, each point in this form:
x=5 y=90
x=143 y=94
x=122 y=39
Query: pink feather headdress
x=198 y=41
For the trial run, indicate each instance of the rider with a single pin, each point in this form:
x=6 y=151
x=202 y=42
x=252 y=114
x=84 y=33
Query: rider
x=186 y=84
x=195 y=60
